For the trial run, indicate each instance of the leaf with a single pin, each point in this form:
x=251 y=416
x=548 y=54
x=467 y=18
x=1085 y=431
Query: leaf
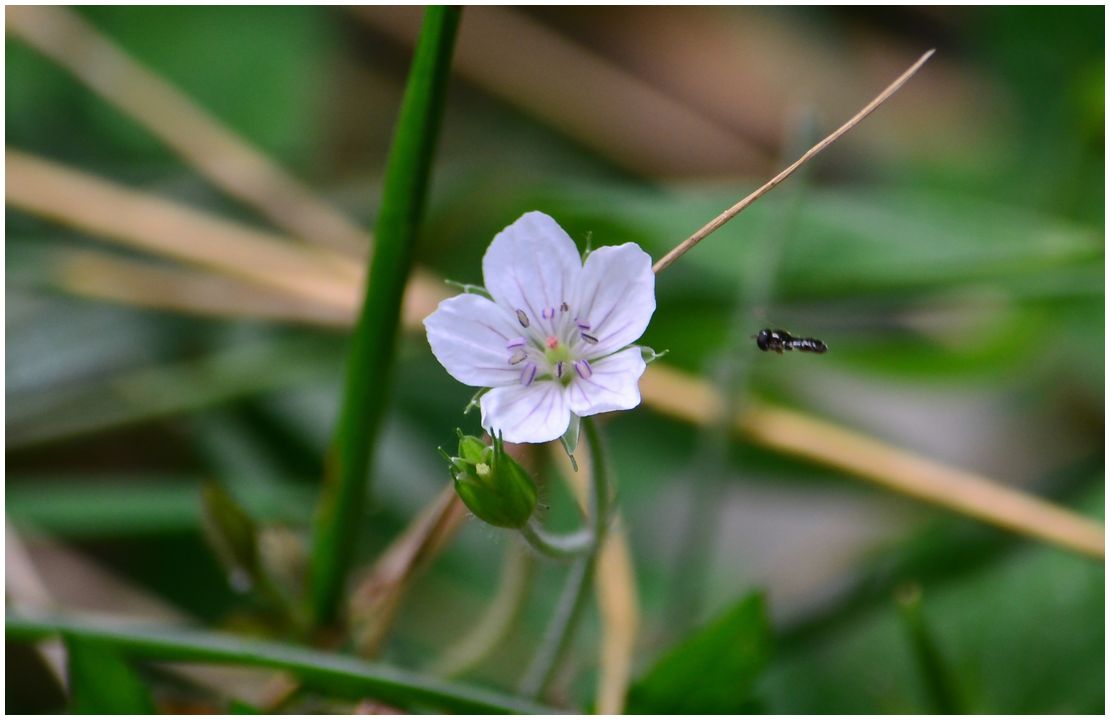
x=370 y=360
x=338 y=674
x=233 y=535
x=713 y=671
x=101 y=681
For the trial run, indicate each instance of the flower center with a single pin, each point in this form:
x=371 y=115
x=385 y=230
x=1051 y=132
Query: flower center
x=560 y=347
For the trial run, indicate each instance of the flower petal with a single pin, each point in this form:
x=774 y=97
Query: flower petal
x=532 y=413
x=611 y=383
x=615 y=297
x=531 y=266
x=469 y=336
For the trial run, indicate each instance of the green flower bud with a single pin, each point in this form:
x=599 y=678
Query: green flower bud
x=491 y=484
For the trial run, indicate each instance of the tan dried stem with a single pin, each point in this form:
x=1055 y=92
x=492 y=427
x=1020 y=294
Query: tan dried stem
x=104 y=276
x=826 y=443
x=376 y=599
x=147 y=222
x=617 y=599
x=226 y=159
x=715 y=224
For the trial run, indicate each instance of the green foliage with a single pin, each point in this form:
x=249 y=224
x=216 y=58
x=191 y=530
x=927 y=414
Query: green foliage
x=101 y=681
x=369 y=361
x=713 y=671
x=344 y=676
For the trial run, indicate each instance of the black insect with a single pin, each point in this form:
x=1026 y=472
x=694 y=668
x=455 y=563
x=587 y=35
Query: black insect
x=779 y=340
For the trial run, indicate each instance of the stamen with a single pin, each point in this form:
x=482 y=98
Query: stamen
x=518 y=357
x=582 y=367
x=515 y=343
x=559 y=368
x=564 y=307
x=589 y=338
x=582 y=324
x=522 y=318
x=552 y=342
x=547 y=313
x=528 y=374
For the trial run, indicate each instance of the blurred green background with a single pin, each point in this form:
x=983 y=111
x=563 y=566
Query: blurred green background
x=949 y=250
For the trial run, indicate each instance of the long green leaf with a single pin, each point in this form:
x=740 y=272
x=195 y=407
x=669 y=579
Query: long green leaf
x=340 y=675
x=89 y=506
x=369 y=362
x=101 y=681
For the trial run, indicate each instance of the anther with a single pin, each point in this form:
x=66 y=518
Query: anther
x=559 y=368
x=528 y=374
x=589 y=338
x=582 y=367
x=522 y=318
x=564 y=307
x=582 y=324
x=515 y=343
x=518 y=356
x=547 y=313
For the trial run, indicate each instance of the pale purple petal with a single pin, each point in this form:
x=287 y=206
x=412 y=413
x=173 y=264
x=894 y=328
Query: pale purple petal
x=531 y=267
x=470 y=336
x=533 y=414
x=610 y=383
x=615 y=298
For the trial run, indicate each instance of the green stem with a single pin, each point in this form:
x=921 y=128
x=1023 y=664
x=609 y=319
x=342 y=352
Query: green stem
x=557 y=546
x=335 y=674
x=560 y=631
x=369 y=362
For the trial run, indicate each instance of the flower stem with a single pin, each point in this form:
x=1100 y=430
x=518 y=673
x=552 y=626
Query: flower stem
x=560 y=631
x=558 y=546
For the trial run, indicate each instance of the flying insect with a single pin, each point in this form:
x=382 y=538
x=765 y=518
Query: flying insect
x=779 y=340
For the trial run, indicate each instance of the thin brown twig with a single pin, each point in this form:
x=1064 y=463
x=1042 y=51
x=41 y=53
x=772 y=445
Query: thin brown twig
x=222 y=156
x=375 y=602
x=715 y=224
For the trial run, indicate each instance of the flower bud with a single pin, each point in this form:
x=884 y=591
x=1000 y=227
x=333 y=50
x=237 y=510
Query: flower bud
x=491 y=484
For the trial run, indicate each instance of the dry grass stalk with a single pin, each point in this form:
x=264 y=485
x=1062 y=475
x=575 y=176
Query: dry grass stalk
x=587 y=99
x=374 y=603
x=216 y=152
x=163 y=227
x=825 y=443
x=103 y=276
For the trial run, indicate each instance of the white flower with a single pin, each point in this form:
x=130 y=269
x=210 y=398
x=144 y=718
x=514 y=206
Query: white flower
x=556 y=337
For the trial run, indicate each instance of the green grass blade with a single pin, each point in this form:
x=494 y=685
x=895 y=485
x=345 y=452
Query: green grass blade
x=936 y=676
x=101 y=681
x=370 y=357
x=343 y=676
x=91 y=506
